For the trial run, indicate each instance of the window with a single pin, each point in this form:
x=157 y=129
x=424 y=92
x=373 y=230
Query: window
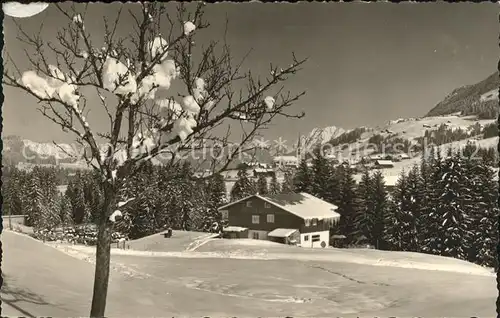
x=255 y=219
x=308 y=222
x=225 y=214
x=249 y=204
x=306 y=238
x=314 y=222
x=267 y=205
x=270 y=218
x=255 y=235
x=315 y=238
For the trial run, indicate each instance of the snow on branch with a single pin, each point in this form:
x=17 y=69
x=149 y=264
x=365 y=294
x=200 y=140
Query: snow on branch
x=145 y=119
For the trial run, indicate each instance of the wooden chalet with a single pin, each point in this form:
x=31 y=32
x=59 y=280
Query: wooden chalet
x=296 y=218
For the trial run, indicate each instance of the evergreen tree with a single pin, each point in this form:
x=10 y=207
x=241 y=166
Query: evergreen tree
x=347 y=202
x=65 y=213
x=274 y=186
x=216 y=195
x=321 y=178
x=483 y=231
x=288 y=185
x=402 y=223
x=452 y=207
x=415 y=198
x=243 y=186
x=394 y=234
x=431 y=215
x=303 y=178
x=262 y=187
x=75 y=194
x=424 y=189
x=35 y=210
x=48 y=182
x=379 y=207
x=364 y=218
x=13 y=190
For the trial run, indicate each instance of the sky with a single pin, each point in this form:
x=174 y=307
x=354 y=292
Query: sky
x=367 y=63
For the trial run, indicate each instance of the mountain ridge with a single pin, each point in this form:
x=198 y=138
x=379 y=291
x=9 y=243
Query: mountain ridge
x=462 y=108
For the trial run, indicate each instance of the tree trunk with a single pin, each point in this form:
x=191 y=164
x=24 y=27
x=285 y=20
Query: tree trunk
x=103 y=256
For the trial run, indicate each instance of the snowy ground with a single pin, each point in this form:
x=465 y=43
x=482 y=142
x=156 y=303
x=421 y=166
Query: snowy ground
x=300 y=282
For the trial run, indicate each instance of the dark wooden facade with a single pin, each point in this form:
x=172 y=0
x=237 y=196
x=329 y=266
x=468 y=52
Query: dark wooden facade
x=240 y=214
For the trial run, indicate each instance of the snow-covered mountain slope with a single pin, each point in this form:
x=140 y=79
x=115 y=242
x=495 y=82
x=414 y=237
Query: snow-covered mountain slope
x=409 y=129
x=60 y=151
x=406 y=129
x=323 y=135
x=472 y=99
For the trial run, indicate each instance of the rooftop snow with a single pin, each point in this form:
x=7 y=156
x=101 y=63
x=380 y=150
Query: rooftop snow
x=304 y=205
x=234 y=229
x=384 y=162
x=281 y=232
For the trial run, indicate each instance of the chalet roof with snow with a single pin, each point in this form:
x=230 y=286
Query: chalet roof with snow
x=384 y=163
x=263 y=170
x=375 y=157
x=391 y=181
x=302 y=204
x=234 y=229
x=281 y=232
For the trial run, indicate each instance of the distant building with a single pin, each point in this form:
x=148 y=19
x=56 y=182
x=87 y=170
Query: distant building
x=332 y=158
x=384 y=164
x=266 y=172
x=286 y=161
x=296 y=218
x=375 y=157
x=403 y=156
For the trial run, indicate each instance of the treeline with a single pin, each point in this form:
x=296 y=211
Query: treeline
x=484 y=110
x=163 y=197
x=445 y=134
x=443 y=206
x=245 y=186
x=347 y=137
x=62 y=175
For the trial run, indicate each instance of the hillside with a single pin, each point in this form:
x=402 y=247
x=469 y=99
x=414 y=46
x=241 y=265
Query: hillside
x=331 y=282
x=463 y=108
x=479 y=99
x=18 y=150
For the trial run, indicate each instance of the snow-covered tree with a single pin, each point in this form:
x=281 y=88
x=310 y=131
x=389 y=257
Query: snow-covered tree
x=453 y=206
x=401 y=227
x=395 y=218
x=482 y=234
x=243 y=186
x=65 y=212
x=346 y=201
x=431 y=241
x=363 y=221
x=216 y=195
x=34 y=195
x=274 y=186
x=303 y=178
x=287 y=186
x=415 y=197
x=379 y=208
x=262 y=186
x=131 y=77
x=324 y=183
